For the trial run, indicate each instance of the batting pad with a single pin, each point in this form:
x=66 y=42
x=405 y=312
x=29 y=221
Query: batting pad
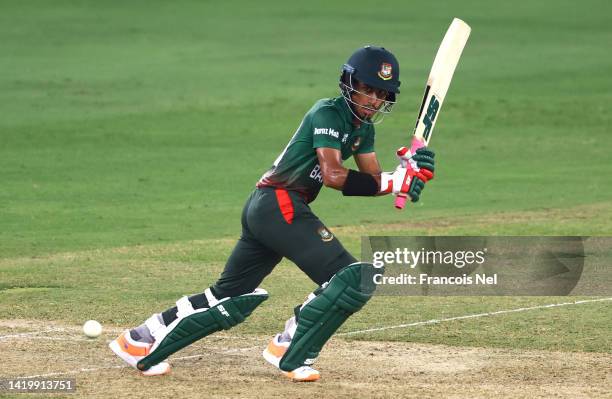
x=189 y=328
x=345 y=294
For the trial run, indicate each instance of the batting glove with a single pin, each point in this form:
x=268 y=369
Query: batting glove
x=412 y=173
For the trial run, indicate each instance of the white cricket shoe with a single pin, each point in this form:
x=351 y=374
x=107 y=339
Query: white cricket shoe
x=132 y=352
x=303 y=374
x=274 y=353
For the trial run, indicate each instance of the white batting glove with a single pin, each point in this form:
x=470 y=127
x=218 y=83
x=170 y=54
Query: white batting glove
x=405 y=158
x=392 y=182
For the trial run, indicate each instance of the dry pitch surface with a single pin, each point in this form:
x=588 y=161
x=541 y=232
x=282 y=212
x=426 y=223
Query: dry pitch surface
x=230 y=366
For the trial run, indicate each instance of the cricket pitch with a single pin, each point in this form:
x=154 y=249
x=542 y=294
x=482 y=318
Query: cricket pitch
x=230 y=366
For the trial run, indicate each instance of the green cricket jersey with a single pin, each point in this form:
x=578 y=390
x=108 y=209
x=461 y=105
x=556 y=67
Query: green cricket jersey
x=327 y=124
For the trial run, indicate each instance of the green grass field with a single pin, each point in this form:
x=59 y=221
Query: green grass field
x=132 y=133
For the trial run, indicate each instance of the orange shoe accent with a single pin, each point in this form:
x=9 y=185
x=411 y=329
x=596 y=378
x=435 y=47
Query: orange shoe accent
x=310 y=378
x=132 y=349
x=276 y=350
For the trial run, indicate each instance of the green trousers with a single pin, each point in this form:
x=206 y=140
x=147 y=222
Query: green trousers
x=277 y=223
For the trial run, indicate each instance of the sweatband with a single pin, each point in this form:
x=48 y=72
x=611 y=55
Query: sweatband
x=360 y=184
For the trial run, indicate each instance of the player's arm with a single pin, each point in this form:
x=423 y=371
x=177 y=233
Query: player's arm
x=391 y=181
x=335 y=175
x=327 y=143
x=368 y=163
x=359 y=183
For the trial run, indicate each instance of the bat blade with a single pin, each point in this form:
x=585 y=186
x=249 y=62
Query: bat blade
x=438 y=82
x=440 y=76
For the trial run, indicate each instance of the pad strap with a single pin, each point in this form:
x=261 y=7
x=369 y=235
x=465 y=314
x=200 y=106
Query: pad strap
x=212 y=301
x=156 y=328
x=183 y=307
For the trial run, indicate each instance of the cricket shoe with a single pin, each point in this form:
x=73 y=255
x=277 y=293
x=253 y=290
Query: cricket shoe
x=131 y=352
x=274 y=353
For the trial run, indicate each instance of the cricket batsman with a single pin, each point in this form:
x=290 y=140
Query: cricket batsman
x=277 y=222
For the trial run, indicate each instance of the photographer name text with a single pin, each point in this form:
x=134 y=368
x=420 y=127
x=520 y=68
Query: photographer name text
x=425 y=279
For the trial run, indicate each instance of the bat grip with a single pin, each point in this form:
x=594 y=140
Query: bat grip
x=416 y=144
x=400 y=199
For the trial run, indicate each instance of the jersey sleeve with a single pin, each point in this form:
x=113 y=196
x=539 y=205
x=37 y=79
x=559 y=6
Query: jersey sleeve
x=368 y=144
x=326 y=129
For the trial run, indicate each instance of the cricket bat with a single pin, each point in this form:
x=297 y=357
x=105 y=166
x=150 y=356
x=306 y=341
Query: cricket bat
x=438 y=82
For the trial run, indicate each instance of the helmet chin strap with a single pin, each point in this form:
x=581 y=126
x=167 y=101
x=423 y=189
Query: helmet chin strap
x=351 y=104
x=379 y=115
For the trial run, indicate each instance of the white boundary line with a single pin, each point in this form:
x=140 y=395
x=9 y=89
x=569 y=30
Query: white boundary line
x=473 y=316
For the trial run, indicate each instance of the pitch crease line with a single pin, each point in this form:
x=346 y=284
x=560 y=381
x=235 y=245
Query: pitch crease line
x=473 y=316
x=88 y=370
x=27 y=334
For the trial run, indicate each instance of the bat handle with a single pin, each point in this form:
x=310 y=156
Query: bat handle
x=400 y=199
x=416 y=144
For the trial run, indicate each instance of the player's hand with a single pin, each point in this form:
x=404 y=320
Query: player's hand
x=420 y=169
x=392 y=182
x=403 y=180
x=411 y=174
x=415 y=187
x=421 y=160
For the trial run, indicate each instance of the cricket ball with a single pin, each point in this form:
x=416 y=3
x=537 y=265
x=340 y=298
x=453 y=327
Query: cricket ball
x=92 y=329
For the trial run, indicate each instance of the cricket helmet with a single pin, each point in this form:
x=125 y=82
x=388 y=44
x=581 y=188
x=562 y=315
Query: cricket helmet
x=378 y=68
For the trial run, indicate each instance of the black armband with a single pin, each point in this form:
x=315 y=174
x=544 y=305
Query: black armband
x=360 y=184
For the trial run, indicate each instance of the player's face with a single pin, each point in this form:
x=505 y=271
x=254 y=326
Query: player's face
x=368 y=100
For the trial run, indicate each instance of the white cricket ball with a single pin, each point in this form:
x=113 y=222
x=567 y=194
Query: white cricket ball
x=92 y=328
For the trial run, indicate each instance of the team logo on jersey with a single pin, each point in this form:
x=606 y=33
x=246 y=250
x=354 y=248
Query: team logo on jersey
x=385 y=72
x=356 y=143
x=325 y=234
